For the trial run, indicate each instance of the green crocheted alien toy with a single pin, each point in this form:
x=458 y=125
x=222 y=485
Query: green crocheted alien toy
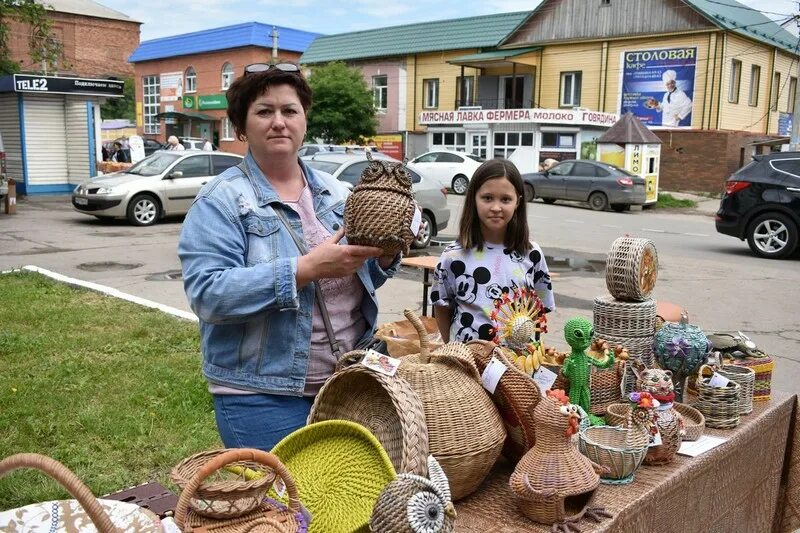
x=578 y=332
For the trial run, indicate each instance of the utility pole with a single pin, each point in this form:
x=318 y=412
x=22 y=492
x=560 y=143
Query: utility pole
x=794 y=143
x=274 y=36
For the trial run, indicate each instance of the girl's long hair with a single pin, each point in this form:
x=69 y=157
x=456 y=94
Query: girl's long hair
x=469 y=231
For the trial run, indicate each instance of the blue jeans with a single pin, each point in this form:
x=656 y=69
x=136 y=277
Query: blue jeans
x=259 y=420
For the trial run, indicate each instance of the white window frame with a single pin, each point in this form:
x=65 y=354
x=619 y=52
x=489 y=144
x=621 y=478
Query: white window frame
x=151 y=103
x=227 y=76
x=506 y=148
x=191 y=80
x=430 y=93
x=469 y=90
x=459 y=139
x=755 y=85
x=735 y=81
x=574 y=96
x=380 y=93
x=226 y=130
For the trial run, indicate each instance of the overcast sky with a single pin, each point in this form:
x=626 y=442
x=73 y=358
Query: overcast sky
x=163 y=19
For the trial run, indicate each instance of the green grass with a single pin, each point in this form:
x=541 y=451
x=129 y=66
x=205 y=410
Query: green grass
x=667 y=200
x=111 y=389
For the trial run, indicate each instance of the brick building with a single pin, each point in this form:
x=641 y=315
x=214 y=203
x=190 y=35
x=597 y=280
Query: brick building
x=97 y=40
x=181 y=80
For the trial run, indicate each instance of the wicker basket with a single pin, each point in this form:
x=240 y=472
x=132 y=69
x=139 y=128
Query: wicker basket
x=693 y=421
x=605 y=386
x=631 y=269
x=465 y=431
x=386 y=405
x=763 y=368
x=638 y=347
x=606 y=446
x=624 y=319
x=224 y=493
x=720 y=405
x=742 y=375
x=516 y=396
x=226 y=499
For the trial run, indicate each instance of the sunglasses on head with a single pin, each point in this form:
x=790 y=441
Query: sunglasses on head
x=265 y=67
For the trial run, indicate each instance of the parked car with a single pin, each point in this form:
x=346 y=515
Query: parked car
x=151 y=145
x=311 y=149
x=449 y=168
x=195 y=143
x=431 y=197
x=762 y=204
x=600 y=184
x=162 y=184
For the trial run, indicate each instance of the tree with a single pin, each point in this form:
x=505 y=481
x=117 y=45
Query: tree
x=124 y=107
x=43 y=47
x=343 y=110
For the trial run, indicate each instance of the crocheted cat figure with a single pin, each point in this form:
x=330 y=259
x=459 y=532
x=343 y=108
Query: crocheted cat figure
x=578 y=333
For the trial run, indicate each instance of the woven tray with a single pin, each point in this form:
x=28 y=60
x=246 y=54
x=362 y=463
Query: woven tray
x=386 y=405
x=631 y=268
x=624 y=319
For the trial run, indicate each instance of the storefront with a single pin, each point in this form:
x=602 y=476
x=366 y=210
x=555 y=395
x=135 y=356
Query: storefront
x=51 y=129
x=542 y=133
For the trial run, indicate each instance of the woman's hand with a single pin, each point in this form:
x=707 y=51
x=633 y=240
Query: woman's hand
x=332 y=260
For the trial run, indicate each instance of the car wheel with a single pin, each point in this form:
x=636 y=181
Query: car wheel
x=772 y=235
x=619 y=208
x=549 y=200
x=460 y=184
x=425 y=232
x=143 y=210
x=529 y=193
x=598 y=201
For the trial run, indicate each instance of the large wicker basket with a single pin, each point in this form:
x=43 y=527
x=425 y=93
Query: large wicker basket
x=624 y=319
x=606 y=446
x=631 y=269
x=465 y=431
x=386 y=405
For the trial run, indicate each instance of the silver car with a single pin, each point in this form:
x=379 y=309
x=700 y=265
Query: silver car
x=162 y=184
x=430 y=196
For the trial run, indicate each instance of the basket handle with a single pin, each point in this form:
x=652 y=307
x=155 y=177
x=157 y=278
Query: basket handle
x=67 y=479
x=233 y=456
x=424 y=349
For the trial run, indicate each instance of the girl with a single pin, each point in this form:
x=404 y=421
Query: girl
x=492 y=256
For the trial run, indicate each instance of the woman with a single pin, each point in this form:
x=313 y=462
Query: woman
x=174 y=145
x=265 y=348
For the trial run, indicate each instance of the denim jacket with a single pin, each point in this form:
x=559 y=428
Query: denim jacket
x=239 y=264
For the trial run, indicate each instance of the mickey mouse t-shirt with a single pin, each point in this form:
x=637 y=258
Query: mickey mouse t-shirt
x=469 y=282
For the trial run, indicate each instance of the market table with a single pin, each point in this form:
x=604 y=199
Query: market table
x=751 y=483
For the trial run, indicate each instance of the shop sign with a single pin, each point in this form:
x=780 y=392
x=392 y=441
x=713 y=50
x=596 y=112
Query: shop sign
x=188 y=102
x=784 y=123
x=212 y=101
x=391 y=145
x=576 y=117
x=26 y=83
x=171 y=86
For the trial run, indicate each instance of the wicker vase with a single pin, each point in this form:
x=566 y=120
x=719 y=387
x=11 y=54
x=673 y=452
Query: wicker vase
x=465 y=431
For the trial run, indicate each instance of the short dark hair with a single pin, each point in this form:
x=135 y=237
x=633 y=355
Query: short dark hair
x=244 y=91
x=469 y=231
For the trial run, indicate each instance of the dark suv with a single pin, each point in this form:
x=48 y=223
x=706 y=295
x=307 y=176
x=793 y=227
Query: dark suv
x=762 y=204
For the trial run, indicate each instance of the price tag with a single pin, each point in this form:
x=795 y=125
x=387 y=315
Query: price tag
x=719 y=381
x=655 y=440
x=544 y=377
x=416 y=222
x=380 y=362
x=492 y=374
x=279 y=486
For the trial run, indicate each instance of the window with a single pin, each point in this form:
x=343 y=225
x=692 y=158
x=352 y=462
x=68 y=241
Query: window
x=227 y=130
x=787 y=166
x=352 y=174
x=221 y=163
x=554 y=139
x=506 y=142
x=450 y=140
x=380 y=92
x=755 y=81
x=431 y=93
x=193 y=167
x=736 y=77
x=561 y=169
x=191 y=80
x=468 y=83
x=227 y=76
x=776 y=91
x=152 y=103
x=570 y=89
x=444 y=157
x=792 y=94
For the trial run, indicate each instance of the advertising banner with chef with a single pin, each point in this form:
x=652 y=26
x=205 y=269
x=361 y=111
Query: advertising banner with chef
x=658 y=85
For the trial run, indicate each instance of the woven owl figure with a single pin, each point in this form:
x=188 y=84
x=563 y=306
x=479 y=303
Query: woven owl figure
x=381 y=208
x=415 y=504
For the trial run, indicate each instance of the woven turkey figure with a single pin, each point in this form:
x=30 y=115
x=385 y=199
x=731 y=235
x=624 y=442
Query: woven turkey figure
x=414 y=504
x=380 y=209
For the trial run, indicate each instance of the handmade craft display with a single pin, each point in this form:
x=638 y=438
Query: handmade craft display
x=519 y=320
x=578 y=333
x=658 y=383
x=381 y=209
x=681 y=348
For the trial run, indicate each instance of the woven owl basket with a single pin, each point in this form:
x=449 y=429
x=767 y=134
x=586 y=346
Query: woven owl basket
x=381 y=208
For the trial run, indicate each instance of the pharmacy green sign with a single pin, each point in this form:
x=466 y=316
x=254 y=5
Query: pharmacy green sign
x=212 y=101
x=188 y=102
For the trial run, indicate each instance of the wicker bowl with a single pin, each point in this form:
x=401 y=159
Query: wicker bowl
x=605 y=445
x=693 y=421
x=227 y=493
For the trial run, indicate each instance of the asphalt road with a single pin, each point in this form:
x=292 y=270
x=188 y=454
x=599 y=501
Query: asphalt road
x=714 y=277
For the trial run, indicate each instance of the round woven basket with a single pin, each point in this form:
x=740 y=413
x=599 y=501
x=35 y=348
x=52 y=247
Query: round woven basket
x=606 y=446
x=224 y=493
x=386 y=405
x=631 y=269
x=465 y=431
x=693 y=420
x=624 y=319
x=720 y=405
